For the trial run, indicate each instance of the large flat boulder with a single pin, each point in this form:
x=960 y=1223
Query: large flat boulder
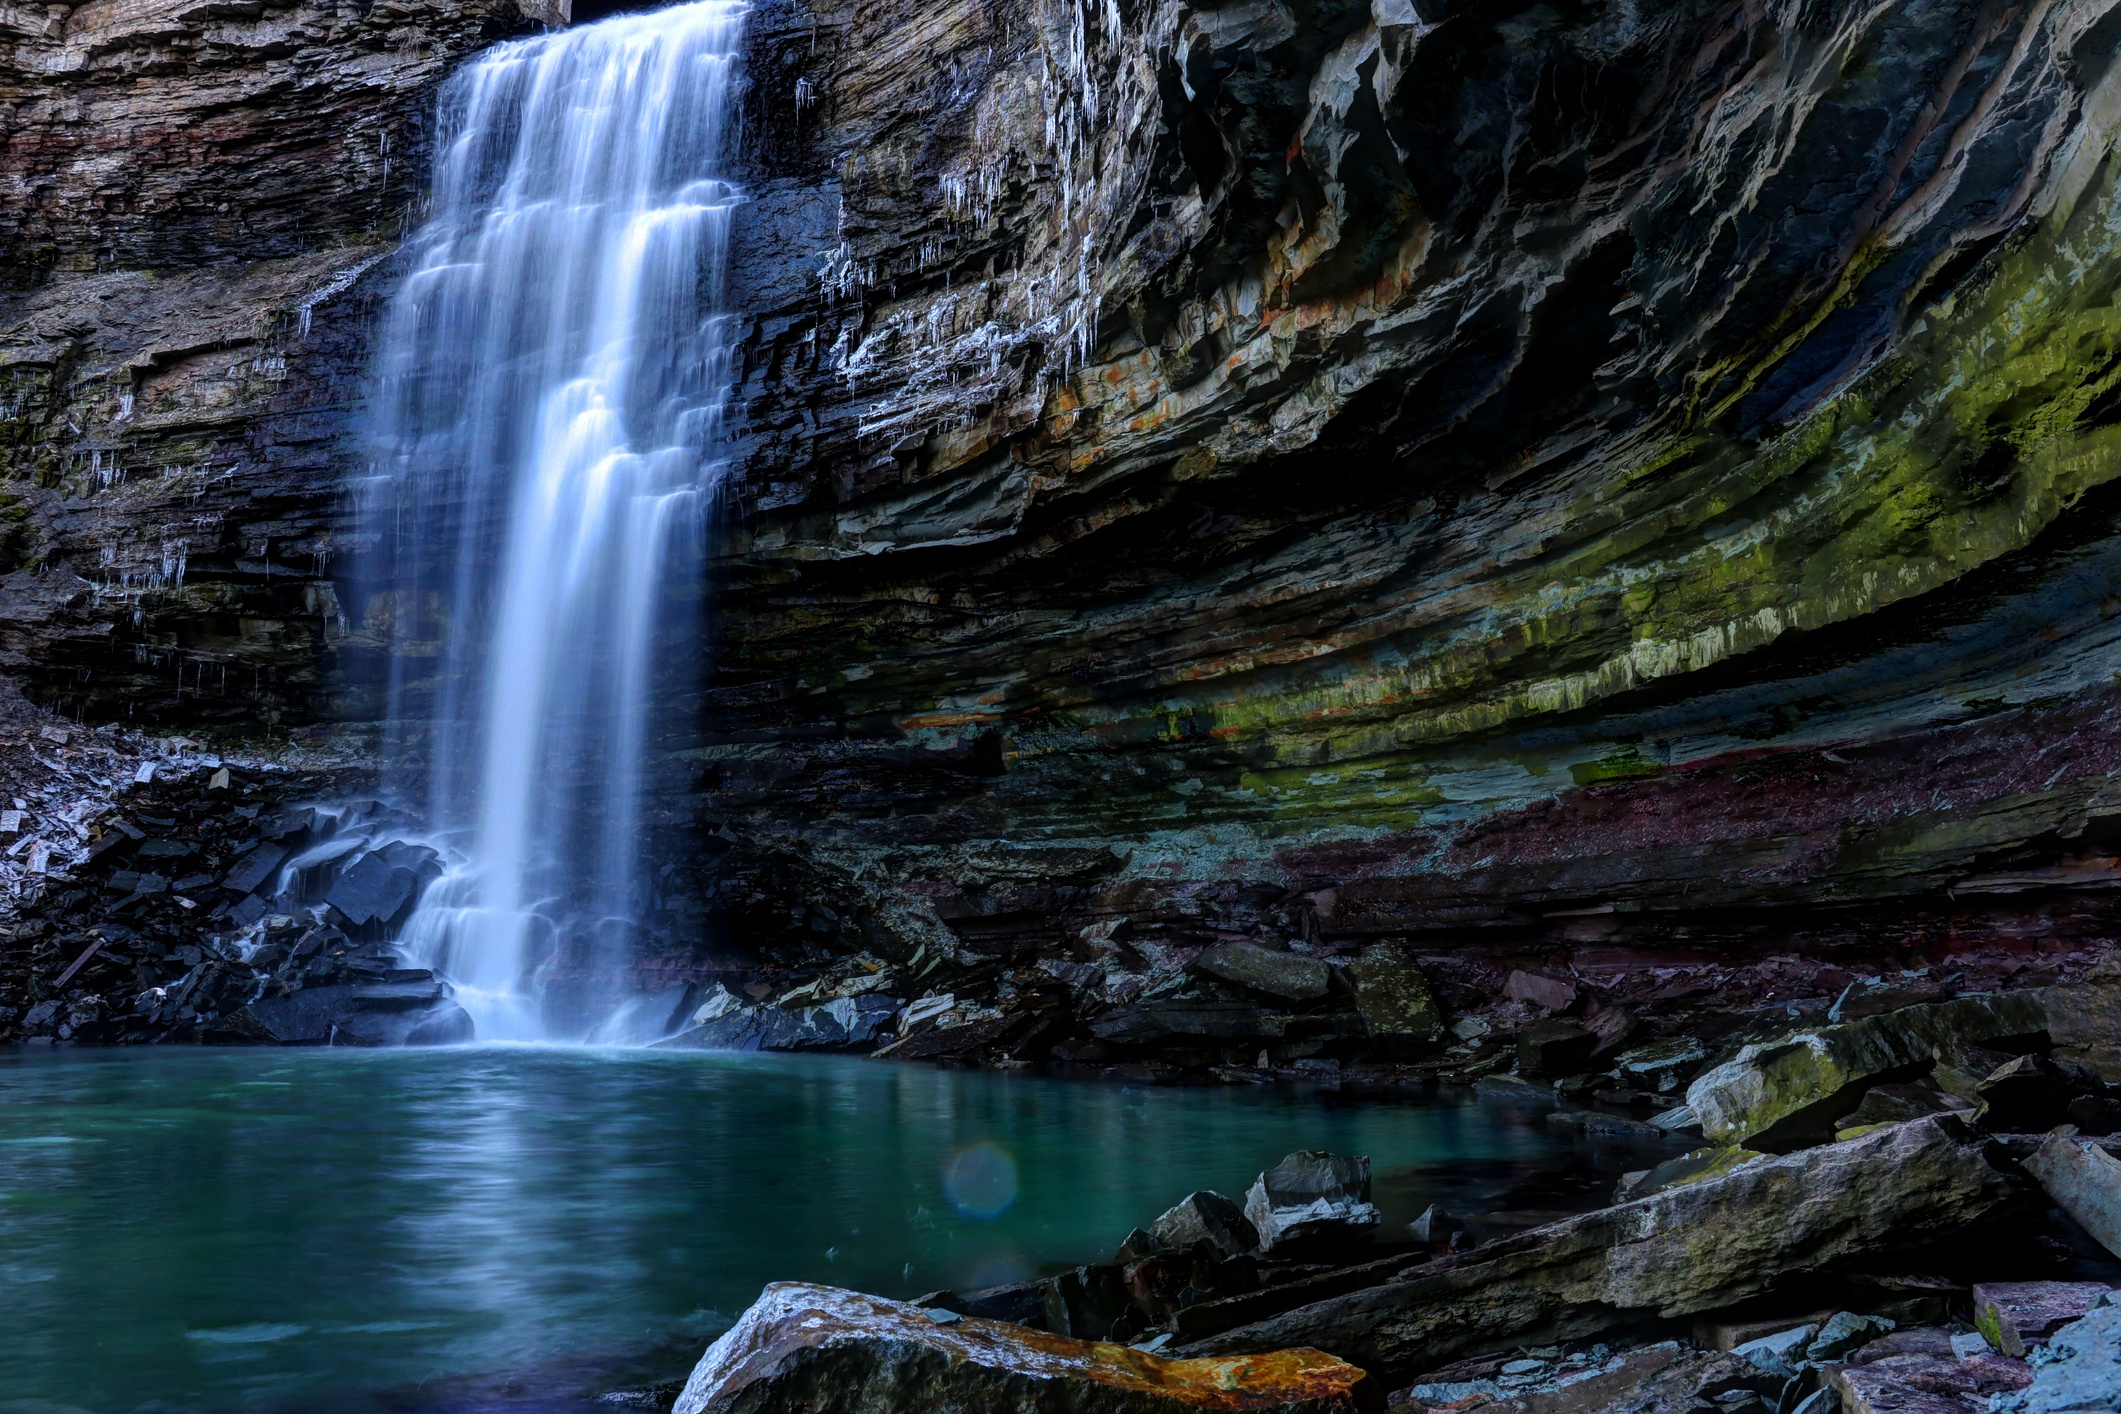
x=1694 y=1248
x=1794 y=1087
x=804 y=1349
x=846 y=1023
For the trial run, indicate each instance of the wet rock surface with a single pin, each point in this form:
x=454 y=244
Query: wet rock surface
x=821 y=1350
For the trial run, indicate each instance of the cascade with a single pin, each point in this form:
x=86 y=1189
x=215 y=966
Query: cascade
x=550 y=384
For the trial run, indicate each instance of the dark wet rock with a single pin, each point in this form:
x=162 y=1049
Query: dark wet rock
x=1211 y=1020
x=1925 y=1384
x=2084 y=1180
x=2081 y=1370
x=823 y=1351
x=1021 y=1303
x=2026 y=1094
x=1206 y=1218
x=1778 y=1353
x=1700 y=1247
x=845 y=1023
x=2017 y=1315
x=1312 y=1202
x=1555 y=1047
x=380 y=888
x=1287 y=975
x=254 y=867
x=360 y=1015
x=1436 y=1227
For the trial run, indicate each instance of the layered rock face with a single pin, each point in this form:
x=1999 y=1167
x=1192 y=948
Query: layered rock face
x=1562 y=480
x=1549 y=476
x=197 y=203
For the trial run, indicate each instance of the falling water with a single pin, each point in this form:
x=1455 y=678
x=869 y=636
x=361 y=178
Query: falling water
x=550 y=388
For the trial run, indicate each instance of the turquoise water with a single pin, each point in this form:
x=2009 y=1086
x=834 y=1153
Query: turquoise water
x=514 y=1228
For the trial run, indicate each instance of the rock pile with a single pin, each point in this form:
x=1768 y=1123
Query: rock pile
x=195 y=905
x=1897 y=1243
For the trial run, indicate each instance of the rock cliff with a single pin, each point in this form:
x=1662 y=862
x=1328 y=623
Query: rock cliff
x=1577 y=483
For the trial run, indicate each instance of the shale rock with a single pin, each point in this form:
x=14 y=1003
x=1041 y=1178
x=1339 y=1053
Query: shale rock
x=2082 y=1371
x=1396 y=1001
x=845 y=1023
x=819 y=1350
x=1287 y=975
x=385 y=1014
x=1695 y=1248
x=1926 y=1384
x=2085 y=1182
x=1311 y=1201
x=2015 y=1316
x=1793 y=1088
x=1209 y=1218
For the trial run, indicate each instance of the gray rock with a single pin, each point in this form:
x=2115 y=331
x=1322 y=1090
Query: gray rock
x=1779 y=1354
x=845 y=1023
x=1691 y=1249
x=1206 y=1217
x=1312 y=1200
x=1844 y=1333
x=2080 y=1371
x=1290 y=976
x=2085 y=1182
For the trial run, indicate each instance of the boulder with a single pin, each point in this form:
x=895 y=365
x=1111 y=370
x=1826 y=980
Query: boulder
x=2085 y=1182
x=2025 y=1094
x=1223 y=1021
x=379 y=1014
x=1210 y=1218
x=1287 y=975
x=2081 y=1371
x=846 y=1023
x=2015 y=1316
x=1312 y=1201
x=1793 y=1088
x=1661 y=1066
x=254 y=868
x=1393 y=996
x=1552 y=994
x=1554 y=1047
x=1925 y=1384
x=1844 y=1333
x=819 y=1350
x=1779 y=1353
x=1695 y=1248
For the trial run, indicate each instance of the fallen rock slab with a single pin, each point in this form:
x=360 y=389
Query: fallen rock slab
x=2017 y=1315
x=1289 y=976
x=1925 y=1384
x=1690 y=1249
x=1793 y=1087
x=2085 y=1182
x=804 y=1349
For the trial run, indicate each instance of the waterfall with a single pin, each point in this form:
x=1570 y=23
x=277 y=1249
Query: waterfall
x=550 y=385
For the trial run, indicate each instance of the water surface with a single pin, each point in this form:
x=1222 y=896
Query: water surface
x=210 y=1231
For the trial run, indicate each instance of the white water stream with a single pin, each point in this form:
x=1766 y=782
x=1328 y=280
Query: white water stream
x=551 y=381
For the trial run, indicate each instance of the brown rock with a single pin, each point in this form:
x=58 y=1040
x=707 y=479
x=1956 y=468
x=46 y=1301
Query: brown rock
x=1924 y=1384
x=820 y=1350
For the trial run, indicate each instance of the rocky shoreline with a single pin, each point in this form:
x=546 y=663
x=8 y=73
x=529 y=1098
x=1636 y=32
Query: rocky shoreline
x=1939 y=1265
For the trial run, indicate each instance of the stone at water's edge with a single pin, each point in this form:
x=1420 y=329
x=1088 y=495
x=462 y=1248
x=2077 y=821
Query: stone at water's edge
x=821 y=1350
x=1689 y=1249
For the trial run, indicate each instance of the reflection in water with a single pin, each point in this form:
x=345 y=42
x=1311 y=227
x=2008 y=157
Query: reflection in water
x=245 y=1230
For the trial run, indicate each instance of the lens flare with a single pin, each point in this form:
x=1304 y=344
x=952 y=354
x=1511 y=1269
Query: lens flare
x=980 y=1181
